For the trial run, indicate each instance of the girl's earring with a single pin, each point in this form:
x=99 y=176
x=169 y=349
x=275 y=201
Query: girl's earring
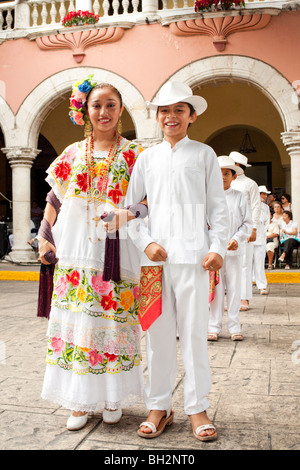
x=88 y=128
x=120 y=127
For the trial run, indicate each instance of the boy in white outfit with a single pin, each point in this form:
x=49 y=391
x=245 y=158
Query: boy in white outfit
x=259 y=248
x=182 y=181
x=230 y=274
x=250 y=189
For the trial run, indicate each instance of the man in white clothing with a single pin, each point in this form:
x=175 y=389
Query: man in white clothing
x=259 y=249
x=239 y=223
x=182 y=181
x=251 y=192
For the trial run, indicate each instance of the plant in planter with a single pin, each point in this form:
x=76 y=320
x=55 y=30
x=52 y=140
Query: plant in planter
x=215 y=5
x=77 y=18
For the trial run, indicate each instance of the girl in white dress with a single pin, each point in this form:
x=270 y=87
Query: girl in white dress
x=94 y=357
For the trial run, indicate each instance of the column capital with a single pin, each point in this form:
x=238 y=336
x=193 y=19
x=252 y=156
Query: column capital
x=291 y=140
x=20 y=156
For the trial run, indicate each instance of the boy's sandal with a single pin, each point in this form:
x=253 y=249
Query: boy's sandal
x=156 y=431
x=244 y=308
x=208 y=437
x=263 y=291
x=212 y=337
x=236 y=337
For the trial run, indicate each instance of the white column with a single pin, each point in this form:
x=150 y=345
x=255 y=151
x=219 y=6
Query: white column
x=20 y=160
x=291 y=140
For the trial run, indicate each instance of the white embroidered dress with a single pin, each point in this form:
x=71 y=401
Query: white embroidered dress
x=94 y=356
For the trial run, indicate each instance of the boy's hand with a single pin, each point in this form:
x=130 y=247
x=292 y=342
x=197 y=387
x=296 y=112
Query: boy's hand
x=232 y=245
x=212 y=262
x=252 y=237
x=156 y=252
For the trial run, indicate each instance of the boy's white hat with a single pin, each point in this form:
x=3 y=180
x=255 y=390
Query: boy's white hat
x=228 y=163
x=263 y=189
x=176 y=92
x=239 y=158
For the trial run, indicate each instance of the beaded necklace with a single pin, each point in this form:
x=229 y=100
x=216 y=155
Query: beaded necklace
x=93 y=193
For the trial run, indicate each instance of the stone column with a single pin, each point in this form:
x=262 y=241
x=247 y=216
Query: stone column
x=21 y=160
x=291 y=140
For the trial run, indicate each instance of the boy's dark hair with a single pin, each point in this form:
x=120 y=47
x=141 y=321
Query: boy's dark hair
x=192 y=109
x=243 y=167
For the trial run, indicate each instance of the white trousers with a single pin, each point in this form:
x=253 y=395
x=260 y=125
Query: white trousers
x=185 y=290
x=230 y=280
x=246 y=292
x=259 y=255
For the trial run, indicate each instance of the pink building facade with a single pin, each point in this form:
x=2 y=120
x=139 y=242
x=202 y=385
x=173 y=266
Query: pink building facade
x=245 y=62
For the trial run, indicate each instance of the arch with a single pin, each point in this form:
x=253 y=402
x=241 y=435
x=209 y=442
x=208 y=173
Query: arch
x=35 y=108
x=7 y=118
x=262 y=75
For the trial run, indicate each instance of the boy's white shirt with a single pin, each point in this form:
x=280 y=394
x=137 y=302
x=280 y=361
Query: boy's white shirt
x=262 y=229
x=184 y=189
x=250 y=189
x=239 y=220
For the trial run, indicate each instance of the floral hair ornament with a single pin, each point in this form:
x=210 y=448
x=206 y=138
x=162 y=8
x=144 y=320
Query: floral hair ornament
x=80 y=91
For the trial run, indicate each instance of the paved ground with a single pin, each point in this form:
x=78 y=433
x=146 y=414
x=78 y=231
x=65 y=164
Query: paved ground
x=254 y=397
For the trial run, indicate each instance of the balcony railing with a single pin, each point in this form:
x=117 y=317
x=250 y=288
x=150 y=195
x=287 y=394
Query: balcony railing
x=41 y=15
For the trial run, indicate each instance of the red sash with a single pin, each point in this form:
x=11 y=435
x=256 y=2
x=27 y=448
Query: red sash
x=150 y=295
x=214 y=279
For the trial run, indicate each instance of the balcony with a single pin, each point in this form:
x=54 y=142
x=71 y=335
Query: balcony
x=35 y=18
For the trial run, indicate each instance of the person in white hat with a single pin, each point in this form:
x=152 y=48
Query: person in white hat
x=183 y=184
x=259 y=248
x=250 y=189
x=230 y=274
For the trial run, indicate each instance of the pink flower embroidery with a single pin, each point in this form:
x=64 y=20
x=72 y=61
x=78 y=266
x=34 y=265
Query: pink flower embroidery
x=99 y=285
x=136 y=292
x=61 y=287
x=57 y=345
x=69 y=155
x=95 y=357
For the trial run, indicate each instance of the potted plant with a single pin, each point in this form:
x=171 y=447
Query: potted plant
x=78 y=18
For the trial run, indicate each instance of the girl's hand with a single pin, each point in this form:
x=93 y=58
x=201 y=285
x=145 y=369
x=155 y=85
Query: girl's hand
x=44 y=247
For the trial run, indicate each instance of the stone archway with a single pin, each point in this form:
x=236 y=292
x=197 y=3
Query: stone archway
x=22 y=132
x=271 y=83
x=47 y=94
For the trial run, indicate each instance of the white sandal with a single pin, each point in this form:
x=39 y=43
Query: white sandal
x=205 y=427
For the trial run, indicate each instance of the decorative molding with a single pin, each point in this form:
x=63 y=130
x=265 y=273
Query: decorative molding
x=220 y=27
x=78 y=41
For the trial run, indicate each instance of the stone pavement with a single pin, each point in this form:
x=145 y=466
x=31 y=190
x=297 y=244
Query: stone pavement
x=254 y=396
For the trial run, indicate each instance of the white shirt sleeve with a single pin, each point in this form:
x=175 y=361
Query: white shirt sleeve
x=216 y=207
x=137 y=229
x=245 y=228
x=255 y=204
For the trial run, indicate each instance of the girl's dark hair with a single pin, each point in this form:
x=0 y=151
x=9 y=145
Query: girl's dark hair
x=105 y=85
x=289 y=214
